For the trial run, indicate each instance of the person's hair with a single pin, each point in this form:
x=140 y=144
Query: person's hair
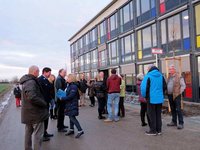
x=72 y=77
x=140 y=76
x=60 y=71
x=32 y=69
x=113 y=71
x=46 y=69
x=98 y=77
x=172 y=66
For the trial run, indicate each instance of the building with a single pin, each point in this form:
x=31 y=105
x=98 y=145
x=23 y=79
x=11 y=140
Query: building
x=122 y=35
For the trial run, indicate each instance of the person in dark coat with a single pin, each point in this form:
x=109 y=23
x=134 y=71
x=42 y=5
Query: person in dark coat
x=34 y=109
x=60 y=83
x=17 y=93
x=83 y=88
x=46 y=87
x=100 y=92
x=91 y=92
x=71 y=106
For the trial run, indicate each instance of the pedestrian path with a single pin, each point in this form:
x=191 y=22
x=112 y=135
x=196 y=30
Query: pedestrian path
x=127 y=134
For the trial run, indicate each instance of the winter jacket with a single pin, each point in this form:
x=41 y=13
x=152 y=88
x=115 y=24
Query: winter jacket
x=17 y=92
x=91 y=89
x=113 y=84
x=100 y=89
x=122 y=89
x=34 y=107
x=46 y=87
x=83 y=85
x=141 y=99
x=71 y=99
x=153 y=86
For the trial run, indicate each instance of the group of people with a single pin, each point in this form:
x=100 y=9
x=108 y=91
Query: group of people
x=151 y=89
x=42 y=96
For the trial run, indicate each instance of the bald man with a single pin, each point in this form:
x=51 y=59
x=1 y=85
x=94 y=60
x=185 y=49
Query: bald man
x=34 y=109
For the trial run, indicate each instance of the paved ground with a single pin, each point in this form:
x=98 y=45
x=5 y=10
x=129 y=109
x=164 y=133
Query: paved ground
x=127 y=134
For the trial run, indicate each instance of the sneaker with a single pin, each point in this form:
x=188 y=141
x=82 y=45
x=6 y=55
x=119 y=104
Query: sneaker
x=108 y=120
x=144 y=124
x=116 y=120
x=101 y=117
x=150 y=133
x=180 y=126
x=69 y=133
x=171 y=124
x=48 y=135
x=44 y=139
x=79 y=134
x=159 y=133
x=62 y=130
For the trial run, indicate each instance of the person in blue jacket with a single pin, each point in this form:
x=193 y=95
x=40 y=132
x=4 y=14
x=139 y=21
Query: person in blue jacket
x=71 y=106
x=153 y=88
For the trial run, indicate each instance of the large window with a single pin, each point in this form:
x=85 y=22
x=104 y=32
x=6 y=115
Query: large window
x=94 y=59
x=76 y=69
x=87 y=61
x=81 y=61
x=146 y=10
x=147 y=38
x=127 y=48
x=102 y=33
x=103 y=58
x=175 y=33
x=93 y=38
x=166 y=5
x=80 y=44
x=86 y=42
x=112 y=27
x=126 y=17
x=113 y=53
x=197 y=18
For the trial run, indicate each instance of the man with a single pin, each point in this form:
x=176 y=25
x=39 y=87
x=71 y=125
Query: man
x=175 y=86
x=153 y=87
x=17 y=93
x=60 y=83
x=83 y=88
x=34 y=109
x=113 y=86
x=46 y=87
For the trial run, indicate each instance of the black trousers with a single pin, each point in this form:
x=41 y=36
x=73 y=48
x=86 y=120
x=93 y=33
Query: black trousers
x=175 y=106
x=143 y=112
x=92 y=100
x=61 y=115
x=46 y=122
x=154 y=113
x=101 y=105
x=121 y=107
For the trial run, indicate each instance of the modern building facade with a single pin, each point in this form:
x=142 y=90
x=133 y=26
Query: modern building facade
x=122 y=35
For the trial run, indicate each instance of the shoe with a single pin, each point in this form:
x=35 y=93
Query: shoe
x=144 y=124
x=159 y=133
x=150 y=133
x=79 y=134
x=171 y=124
x=44 y=139
x=101 y=117
x=91 y=105
x=48 y=135
x=180 y=126
x=65 y=127
x=116 y=120
x=62 y=130
x=69 y=133
x=108 y=120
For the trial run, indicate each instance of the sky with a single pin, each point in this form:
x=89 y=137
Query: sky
x=36 y=32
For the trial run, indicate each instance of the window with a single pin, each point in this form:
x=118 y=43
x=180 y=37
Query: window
x=103 y=58
x=127 y=48
x=77 y=69
x=126 y=17
x=81 y=61
x=102 y=33
x=113 y=53
x=94 y=59
x=197 y=18
x=112 y=27
x=93 y=38
x=87 y=61
x=146 y=10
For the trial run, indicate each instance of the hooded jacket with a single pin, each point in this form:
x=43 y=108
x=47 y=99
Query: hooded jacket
x=34 y=108
x=113 y=84
x=153 y=86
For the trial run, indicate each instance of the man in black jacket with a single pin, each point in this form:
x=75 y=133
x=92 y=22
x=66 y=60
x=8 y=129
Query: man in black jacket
x=60 y=83
x=83 y=88
x=34 y=108
x=46 y=87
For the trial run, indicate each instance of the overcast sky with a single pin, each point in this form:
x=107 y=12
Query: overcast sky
x=37 y=32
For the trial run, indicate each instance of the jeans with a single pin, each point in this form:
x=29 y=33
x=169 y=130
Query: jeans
x=73 y=121
x=176 y=109
x=37 y=130
x=154 y=113
x=113 y=98
x=52 y=104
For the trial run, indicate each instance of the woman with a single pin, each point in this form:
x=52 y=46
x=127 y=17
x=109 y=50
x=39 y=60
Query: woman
x=91 y=92
x=143 y=102
x=100 y=92
x=122 y=95
x=71 y=108
x=53 y=109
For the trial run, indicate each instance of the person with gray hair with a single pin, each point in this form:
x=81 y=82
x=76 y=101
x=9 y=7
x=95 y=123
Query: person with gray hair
x=175 y=86
x=34 y=109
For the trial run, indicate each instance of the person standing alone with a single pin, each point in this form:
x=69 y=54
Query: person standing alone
x=17 y=93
